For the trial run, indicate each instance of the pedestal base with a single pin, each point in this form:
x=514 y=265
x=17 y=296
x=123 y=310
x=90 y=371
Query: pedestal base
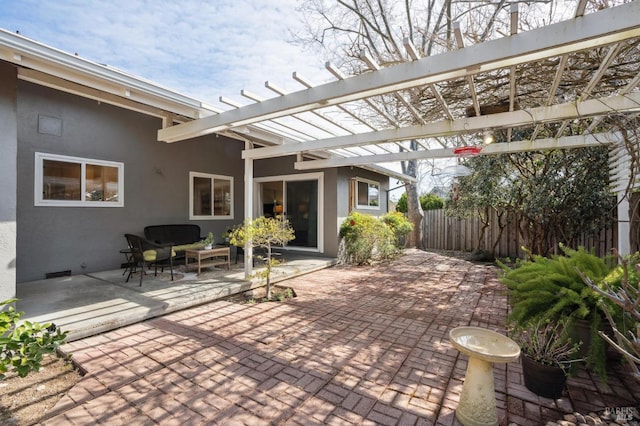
x=477 y=406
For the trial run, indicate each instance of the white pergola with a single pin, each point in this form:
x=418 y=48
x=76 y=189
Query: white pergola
x=548 y=81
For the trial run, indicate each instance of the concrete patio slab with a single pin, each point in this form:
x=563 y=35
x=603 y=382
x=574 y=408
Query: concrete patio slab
x=94 y=303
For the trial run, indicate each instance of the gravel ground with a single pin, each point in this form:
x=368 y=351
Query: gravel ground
x=24 y=401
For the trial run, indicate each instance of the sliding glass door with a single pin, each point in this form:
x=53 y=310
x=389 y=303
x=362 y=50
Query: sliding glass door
x=302 y=211
x=296 y=198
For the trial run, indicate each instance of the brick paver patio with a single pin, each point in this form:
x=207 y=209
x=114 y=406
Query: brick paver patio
x=357 y=346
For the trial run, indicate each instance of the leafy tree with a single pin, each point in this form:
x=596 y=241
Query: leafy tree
x=491 y=186
x=554 y=195
x=265 y=233
x=23 y=344
x=431 y=202
x=402 y=206
x=427 y=202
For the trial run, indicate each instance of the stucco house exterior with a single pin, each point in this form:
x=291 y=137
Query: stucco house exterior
x=81 y=165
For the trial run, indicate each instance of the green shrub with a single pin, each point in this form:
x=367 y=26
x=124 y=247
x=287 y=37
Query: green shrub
x=366 y=238
x=399 y=224
x=22 y=345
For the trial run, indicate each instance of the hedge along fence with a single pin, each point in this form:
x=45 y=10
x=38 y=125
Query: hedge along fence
x=442 y=232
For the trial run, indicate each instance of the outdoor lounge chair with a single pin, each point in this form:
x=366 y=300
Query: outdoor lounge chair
x=146 y=253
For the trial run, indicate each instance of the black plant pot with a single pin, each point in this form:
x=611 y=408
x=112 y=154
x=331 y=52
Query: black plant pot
x=543 y=380
x=581 y=332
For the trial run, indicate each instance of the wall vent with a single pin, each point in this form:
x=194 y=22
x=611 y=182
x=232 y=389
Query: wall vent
x=58 y=274
x=49 y=125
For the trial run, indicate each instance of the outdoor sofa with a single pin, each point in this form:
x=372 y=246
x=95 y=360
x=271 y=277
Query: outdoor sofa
x=181 y=236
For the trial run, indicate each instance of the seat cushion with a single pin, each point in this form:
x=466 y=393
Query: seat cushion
x=181 y=248
x=152 y=255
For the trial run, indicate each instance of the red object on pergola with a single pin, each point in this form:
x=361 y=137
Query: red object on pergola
x=467 y=151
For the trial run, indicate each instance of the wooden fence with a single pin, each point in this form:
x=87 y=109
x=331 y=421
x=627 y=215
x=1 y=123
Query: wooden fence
x=446 y=233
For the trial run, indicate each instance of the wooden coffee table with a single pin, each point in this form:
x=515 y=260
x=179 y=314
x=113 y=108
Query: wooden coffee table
x=208 y=257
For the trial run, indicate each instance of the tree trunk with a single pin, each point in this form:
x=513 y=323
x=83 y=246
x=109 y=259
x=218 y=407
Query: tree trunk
x=416 y=215
x=484 y=219
x=269 y=273
x=414 y=209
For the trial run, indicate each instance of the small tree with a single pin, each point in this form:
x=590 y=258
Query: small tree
x=264 y=233
x=556 y=195
x=22 y=345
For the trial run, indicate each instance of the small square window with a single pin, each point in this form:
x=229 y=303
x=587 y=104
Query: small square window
x=211 y=196
x=367 y=194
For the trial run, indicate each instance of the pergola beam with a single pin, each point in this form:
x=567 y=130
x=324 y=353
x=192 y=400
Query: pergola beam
x=597 y=29
x=568 y=142
x=591 y=107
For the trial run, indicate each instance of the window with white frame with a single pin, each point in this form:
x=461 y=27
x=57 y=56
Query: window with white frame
x=211 y=196
x=65 y=181
x=367 y=194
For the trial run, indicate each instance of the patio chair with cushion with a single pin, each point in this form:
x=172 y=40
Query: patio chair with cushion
x=146 y=253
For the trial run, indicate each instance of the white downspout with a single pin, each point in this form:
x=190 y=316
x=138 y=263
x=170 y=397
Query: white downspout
x=620 y=175
x=248 y=209
x=624 y=224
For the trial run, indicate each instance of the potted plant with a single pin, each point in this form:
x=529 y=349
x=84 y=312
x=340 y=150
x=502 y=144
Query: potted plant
x=547 y=355
x=552 y=289
x=209 y=241
x=226 y=236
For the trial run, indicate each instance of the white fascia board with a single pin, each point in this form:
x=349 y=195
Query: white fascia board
x=27 y=53
x=66 y=86
x=568 y=142
x=388 y=172
x=533 y=116
x=597 y=29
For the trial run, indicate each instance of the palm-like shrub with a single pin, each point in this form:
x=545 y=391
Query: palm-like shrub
x=551 y=289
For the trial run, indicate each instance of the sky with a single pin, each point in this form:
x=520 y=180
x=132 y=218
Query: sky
x=202 y=49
